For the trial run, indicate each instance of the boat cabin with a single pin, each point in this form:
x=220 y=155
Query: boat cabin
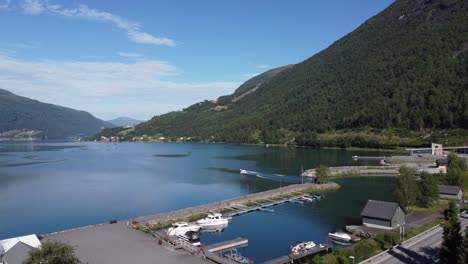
x=383 y=215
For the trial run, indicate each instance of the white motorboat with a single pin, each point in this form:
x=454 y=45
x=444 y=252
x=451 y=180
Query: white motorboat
x=242 y=171
x=340 y=237
x=214 y=229
x=213 y=220
x=180 y=228
x=303 y=246
x=192 y=237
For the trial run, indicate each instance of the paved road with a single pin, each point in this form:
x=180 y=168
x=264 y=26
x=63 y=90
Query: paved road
x=424 y=249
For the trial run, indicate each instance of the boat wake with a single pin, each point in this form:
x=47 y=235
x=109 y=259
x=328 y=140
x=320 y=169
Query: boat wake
x=275 y=177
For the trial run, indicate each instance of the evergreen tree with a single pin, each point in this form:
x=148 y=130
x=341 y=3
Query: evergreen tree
x=52 y=252
x=428 y=192
x=406 y=190
x=452 y=247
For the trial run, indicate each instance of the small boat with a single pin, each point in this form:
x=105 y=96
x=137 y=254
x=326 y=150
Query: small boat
x=213 y=220
x=237 y=257
x=268 y=210
x=182 y=228
x=191 y=237
x=303 y=246
x=340 y=238
x=242 y=171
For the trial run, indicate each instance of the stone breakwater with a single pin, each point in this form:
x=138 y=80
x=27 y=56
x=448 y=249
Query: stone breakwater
x=356 y=171
x=218 y=206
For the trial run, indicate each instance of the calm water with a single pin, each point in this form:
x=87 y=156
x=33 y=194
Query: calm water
x=46 y=187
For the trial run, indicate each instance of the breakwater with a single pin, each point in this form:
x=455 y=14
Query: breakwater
x=356 y=171
x=226 y=204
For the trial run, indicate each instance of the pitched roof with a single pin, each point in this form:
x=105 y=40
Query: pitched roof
x=30 y=240
x=380 y=209
x=17 y=254
x=449 y=189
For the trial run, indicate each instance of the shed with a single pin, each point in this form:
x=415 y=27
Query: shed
x=383 y=215
x=442 y=162
x=15 y=250
x=17 y=254
x=450 y=191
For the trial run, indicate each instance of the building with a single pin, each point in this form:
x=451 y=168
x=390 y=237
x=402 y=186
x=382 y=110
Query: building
x=450 y=191
x=16 y=250
x=383 y=215
x=437 y=149
x=442 y=162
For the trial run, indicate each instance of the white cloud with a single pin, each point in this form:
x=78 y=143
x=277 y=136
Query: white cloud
x=132 y=29
x=107 y=89
x=262 y=66
x=250 y=75
x=129 y=54
x=33 y=7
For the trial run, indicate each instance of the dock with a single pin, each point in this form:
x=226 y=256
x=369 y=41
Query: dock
x=306 y=255
x=242 y=209
x=227 y=245
x=230 y=204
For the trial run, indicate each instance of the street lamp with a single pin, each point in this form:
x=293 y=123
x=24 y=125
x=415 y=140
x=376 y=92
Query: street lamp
x=352 y=257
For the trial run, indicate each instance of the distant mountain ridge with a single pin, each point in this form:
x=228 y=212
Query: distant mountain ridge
x=124 y=121
x=405 y=68
x=56 y=122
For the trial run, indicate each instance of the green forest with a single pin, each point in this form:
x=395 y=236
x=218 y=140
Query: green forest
x=404 y=72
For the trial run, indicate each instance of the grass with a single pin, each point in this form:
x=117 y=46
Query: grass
x=415 y=231
x=433 y=209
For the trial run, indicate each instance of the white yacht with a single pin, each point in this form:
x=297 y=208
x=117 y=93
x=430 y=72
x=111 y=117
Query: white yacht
x=180 y=228
x=303 y=246
x=340 y=237
x=213 y=220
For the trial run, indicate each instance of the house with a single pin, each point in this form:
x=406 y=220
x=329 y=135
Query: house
x=442 y=162
x=450 y=191
x=16 y=250
x=437 y=149
x=383 y=215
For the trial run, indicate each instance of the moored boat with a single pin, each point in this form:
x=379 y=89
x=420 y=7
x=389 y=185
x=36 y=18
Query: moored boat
x=213 y=220
x=303 y=246
x=191 y=237
x=340 y=238
x=180 y=228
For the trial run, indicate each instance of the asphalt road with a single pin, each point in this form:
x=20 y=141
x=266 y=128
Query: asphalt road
x=422 y=250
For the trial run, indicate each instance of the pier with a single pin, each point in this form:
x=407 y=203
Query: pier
x=227 y=245
x=357 y=171
x=230 y=205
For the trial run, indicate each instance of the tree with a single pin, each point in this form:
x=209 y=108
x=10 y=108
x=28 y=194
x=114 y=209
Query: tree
x=465 y=245
x=406 y=190
x=428 y=192
x=322 y=173
x=52 y=252
x=456 y=171
x=452 y=247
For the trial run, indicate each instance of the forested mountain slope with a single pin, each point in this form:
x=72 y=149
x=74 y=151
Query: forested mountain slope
x=405 y=68
x=56 y=122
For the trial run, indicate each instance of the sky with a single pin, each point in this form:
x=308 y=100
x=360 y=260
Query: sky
x=147 y=57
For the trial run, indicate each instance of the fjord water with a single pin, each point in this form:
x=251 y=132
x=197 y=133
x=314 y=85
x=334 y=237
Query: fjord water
x=47 y=187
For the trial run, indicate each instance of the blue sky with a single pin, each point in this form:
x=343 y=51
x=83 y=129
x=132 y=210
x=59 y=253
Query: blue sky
x=144 y=58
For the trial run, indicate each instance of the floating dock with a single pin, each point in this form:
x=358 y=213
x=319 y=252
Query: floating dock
x=227 y=245
x=306 y=255
x=289 y=190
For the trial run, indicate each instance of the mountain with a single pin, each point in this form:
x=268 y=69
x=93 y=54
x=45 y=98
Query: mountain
x=405 y=68
x=56 y=122
x=124 y=122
